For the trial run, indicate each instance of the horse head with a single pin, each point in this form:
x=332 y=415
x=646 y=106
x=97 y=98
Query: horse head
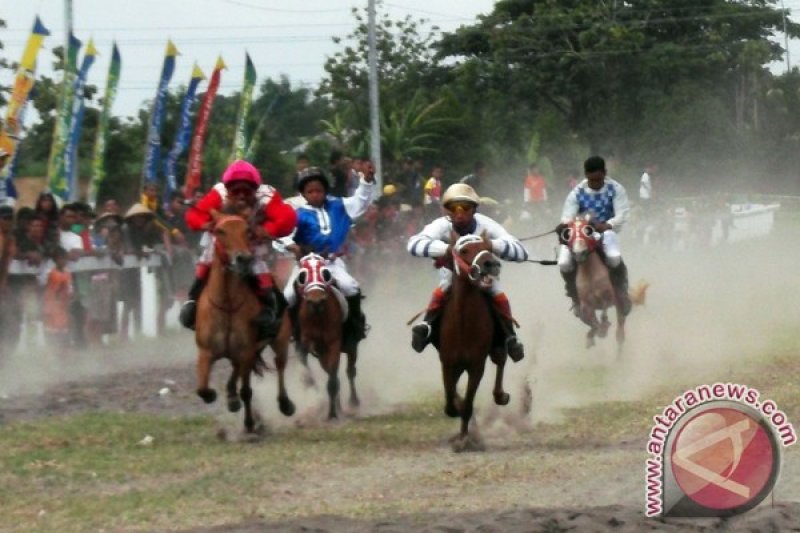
x=231 y=239
x=581 y=238
x=473 y=258
x=314 y=280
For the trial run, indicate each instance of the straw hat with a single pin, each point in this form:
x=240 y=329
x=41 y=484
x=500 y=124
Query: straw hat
x=138 y=209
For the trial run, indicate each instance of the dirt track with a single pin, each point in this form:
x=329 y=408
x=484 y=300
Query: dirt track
x=578 y=486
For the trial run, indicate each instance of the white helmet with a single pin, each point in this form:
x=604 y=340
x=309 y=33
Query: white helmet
x=460 y=192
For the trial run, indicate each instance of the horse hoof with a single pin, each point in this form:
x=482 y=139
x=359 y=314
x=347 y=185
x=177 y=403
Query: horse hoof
x=208 y=395
x=234 y=404
x=451 y=411
x=354 y=402
x=286 y=406
x=502 y=399
x=467 y=443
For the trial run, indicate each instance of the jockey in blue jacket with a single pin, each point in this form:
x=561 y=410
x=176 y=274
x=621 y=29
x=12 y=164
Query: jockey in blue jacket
x=322 y=227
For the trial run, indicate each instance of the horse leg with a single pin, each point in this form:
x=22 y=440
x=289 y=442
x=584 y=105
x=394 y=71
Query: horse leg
x=331 y=366
x=233 y=397
x=352 y=357
x=281 y=348
x=620 y=329
x=501 y=397
x=203 y=372
x=604 y=324
x=466 y=442
x=247 y=393
x=302 y=354
x=452 y=402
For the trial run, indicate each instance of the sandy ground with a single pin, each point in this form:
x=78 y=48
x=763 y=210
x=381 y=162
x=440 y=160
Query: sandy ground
x=706 y=313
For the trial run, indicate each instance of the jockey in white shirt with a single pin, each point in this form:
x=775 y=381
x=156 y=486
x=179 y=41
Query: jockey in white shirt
x=460 y=202
x=607 y=202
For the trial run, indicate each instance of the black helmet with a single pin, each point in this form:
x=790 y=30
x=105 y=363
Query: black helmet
x=311 y=174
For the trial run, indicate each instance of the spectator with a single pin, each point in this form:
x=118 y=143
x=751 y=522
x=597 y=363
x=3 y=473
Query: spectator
x=339 y=171
x=477 y=180
x=57 y=301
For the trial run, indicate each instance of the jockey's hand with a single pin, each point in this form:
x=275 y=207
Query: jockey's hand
x=559 y=229
x=601 y=226
x=262 y=233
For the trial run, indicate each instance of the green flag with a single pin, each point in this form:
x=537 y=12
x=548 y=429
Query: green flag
x=98 y=160
x=240 y=138
x=56 y=170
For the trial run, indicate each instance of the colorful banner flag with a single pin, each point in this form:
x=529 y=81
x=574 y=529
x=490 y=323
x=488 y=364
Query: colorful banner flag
x=184 y=135
x=56 y=168
x=76 y=124
x=98 y=160
x=240 y=143
x=152 y=158
x=23 y=83
x=195 y=169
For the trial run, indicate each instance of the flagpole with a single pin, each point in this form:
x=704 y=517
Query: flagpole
x=374 y=104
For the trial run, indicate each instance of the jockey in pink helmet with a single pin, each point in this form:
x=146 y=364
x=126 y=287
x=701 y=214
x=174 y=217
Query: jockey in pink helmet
x=241 y=191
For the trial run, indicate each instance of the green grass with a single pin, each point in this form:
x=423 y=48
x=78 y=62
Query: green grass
x=88 y=471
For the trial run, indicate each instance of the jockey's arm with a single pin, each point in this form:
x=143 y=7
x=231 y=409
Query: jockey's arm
x=504 y=245
x=431 y=241
x=280 y=218
x=622 y=210
x=358 y=204
x=570 y=210
x=199 y=216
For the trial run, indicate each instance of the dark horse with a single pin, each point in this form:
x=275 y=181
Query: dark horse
x=467 y=331
x=225 y=326
x=321 y=311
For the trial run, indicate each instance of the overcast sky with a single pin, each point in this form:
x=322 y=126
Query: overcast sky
x=282 y=37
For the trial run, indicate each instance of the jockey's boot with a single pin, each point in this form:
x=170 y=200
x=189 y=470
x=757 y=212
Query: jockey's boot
x=572 y=289
x=421 y=333
x=356 y=321
x=513 y=345
x=268 y=321
x=189 y=307
x=619 y=279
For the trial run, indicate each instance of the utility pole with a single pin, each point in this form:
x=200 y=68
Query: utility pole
x=374 y=104
x=786 y=40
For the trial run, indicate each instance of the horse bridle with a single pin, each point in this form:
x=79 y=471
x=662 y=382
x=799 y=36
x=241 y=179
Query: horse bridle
x=314 y=273
x=473 y=269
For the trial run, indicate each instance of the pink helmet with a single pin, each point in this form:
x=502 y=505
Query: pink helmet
x=241 y=170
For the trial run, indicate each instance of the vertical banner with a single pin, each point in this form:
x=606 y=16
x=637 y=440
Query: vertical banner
x=240 y=143
x=55 y=170
x=76 y=124
x=153 y=149
x=195 y=169
x=184 y=134
x=23 y=83
x=98 y=158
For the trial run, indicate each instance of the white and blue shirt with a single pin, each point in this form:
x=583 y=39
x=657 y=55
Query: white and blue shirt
x=324 y=229
x=609 y=204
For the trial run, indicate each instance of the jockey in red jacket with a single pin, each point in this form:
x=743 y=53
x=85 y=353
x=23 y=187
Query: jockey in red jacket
x=241 y=189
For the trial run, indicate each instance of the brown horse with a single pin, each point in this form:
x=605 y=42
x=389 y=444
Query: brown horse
x=320 y=314
x=225 y=326
x=467 y=332
x=596 y=293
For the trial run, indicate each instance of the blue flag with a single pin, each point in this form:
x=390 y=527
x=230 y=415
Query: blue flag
x=153 y=149
x=184 y=135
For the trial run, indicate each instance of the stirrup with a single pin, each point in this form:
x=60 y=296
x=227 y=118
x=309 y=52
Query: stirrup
x=188 y=314
x=420 y=334
x=514 y=348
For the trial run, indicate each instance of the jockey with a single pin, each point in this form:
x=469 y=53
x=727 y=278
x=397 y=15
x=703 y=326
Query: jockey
x=460 y=202
x=241 y=189
x=606 y=201
x=322 y=227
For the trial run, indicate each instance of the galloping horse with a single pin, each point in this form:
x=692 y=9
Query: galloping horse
x=225 y=325
x=321 y=312
x=467 y=332
x=595 y=291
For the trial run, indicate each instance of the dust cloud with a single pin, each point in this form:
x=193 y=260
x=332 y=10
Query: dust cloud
x=708 y=311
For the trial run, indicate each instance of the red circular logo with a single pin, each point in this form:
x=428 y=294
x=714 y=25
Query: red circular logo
x=724 y=458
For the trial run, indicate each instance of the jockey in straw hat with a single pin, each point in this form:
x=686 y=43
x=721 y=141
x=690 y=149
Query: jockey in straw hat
x=606 y=201
x=242 y=190
x=323 y=223
x=460 y=203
